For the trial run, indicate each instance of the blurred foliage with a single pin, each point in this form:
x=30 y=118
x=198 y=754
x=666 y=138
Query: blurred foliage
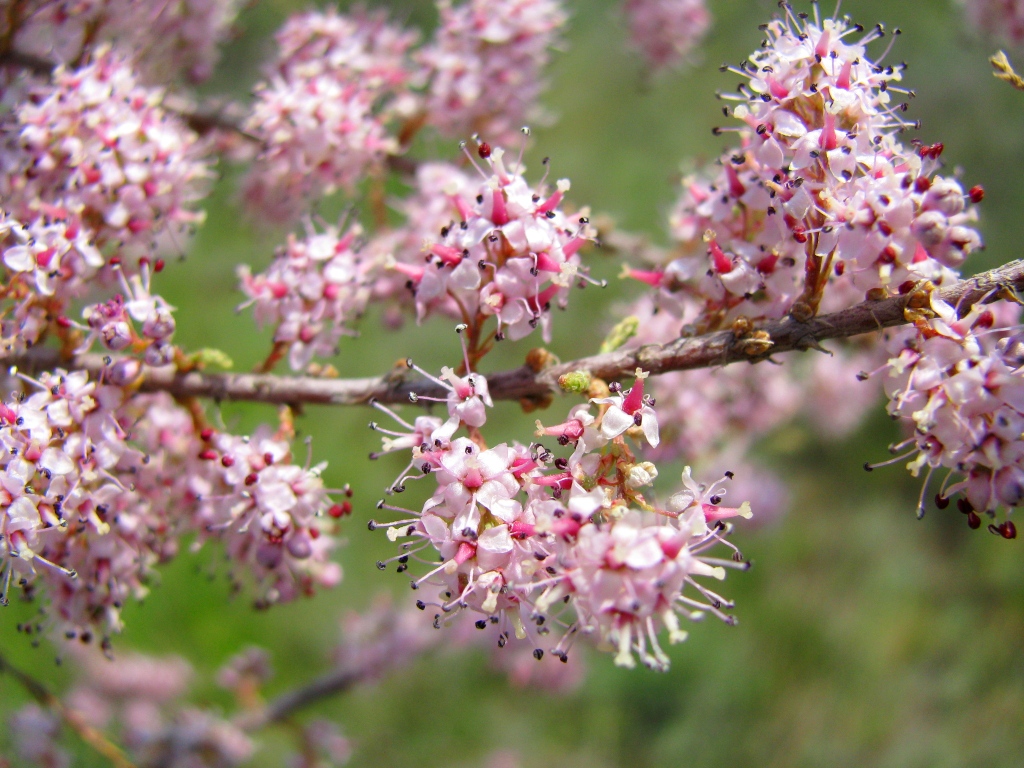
x=866 y=636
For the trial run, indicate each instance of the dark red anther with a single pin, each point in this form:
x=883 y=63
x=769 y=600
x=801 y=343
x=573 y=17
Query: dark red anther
x=63 y=322
x=922 y=184
x=158 y=265
x=227 y=461
x=251 y=478
x=1008 y=530
x=340 y=510
x=964 y=506
x=800 y=234
x=973 y=521
x=941 y=501
x=115 y=260
x=268 y=458
x=484 y=150
x=840 y=268
x=906 y=287
x=208 y=455
x=976 y=193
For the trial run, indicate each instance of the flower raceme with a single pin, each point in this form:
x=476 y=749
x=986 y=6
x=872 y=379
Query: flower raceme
x=97 y=487
x=521 y=533
x=505 y=249
x=957 y=382
x=820 y=203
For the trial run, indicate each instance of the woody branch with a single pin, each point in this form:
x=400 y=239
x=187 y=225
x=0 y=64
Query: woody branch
x=525 y=383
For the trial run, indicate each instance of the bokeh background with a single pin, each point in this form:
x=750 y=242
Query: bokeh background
x=866 y=637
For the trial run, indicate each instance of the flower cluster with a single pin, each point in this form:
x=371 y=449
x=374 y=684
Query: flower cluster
x=164 y=37
x=820 y=199
x=519 y=530
x=97 y=150
x=323 y=116
x=311 y=292
x=509 y=252
x=271 y=514
x=95 y=490
x=666 y=31
x=112 y=323
x=485 y=65
x=957 y=381
x=69 y=520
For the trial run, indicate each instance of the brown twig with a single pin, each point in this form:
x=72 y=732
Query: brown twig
x=91 y=736
x=525 y=383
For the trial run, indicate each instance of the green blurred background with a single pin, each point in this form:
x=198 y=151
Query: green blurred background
x=866 y=637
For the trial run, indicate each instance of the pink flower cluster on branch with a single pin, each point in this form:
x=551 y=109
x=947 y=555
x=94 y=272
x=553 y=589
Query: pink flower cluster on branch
x=176 y=38
x=96 y=151
x=957 y=379
x=485 y=65
x=521 y=532
x=325 y=114
x=820 y=203
x=666 y=32
x=96 y=489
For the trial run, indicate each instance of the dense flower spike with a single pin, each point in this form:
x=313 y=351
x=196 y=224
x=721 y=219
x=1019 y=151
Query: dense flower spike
x=666 y=31
x=94 y=491
x=518 y=530
x=97 y=151
x=312 y=292
x=509 y=252
x=957 y=382
x=323 y=116
x=485 y=65
x=163 y=36
x=820 y=202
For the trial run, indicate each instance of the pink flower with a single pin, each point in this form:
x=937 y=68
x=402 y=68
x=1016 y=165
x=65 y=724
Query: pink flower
x=485 y=65
x=666 y=31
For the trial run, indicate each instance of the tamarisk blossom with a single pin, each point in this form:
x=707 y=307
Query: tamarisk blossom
x=96 y=150
x=43 y=264
x=312 y=292
x=398 y=253
x=96 y=488
x=666 y=31
x=956 y=381
x=272 y=515
x=518 y=530
x=178 y=38
x=113 y=322
x=485 y=65
x=324 y=113
x=819 y=190
x=509 y=252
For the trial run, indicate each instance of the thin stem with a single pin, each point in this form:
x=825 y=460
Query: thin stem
x=708 y=350
x=72 y=719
